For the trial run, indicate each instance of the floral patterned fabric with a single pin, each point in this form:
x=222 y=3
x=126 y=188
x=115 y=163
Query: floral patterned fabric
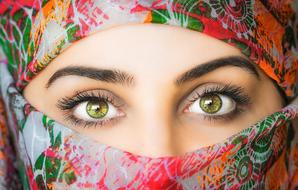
x=48 y=155
x=33 y=32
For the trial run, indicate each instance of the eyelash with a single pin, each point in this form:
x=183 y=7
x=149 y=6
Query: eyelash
x=234 y=92
x=69 y=103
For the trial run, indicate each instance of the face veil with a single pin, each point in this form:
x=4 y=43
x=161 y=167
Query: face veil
x=52 y=156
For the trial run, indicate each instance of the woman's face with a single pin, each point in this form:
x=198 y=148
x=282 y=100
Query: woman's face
x=153 y=90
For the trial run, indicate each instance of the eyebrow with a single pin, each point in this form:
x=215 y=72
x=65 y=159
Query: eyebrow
x=203 y=69
x=105 y=75
x=120 y=77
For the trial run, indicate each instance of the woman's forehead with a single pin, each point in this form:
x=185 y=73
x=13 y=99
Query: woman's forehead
x=145 y=46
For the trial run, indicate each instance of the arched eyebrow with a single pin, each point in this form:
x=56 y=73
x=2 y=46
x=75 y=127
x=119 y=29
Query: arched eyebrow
x=203 y=69
x=105 y=75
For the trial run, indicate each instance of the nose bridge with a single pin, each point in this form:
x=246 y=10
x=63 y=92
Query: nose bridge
x=155 y=127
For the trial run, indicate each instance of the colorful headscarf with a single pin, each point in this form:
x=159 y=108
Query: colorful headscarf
x=52 y=156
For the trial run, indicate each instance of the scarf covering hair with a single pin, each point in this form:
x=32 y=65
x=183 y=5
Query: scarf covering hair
x=52 y=156
x=33 y=32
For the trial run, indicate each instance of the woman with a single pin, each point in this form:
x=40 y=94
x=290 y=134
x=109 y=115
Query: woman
x=150 y=94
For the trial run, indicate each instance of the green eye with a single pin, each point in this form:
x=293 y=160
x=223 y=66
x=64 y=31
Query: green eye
x=211 y=104
x=97 y=109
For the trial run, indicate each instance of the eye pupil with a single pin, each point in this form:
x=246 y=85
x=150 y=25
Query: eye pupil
x=211 y=103
x=97 y=109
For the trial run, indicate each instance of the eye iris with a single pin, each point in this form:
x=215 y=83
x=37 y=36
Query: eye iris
x=97 y=109
x=211 y=104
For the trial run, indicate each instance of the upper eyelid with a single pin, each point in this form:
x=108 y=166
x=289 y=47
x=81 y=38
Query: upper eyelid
x=82 y=96
x=180 y=101
x=217 y=86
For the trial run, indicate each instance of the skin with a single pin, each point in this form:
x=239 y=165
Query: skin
x=155 y=55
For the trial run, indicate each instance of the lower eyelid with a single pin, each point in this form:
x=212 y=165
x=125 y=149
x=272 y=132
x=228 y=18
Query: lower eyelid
x=105 y=122
x=96 y=94
x=226 y=117
x=85 y=124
